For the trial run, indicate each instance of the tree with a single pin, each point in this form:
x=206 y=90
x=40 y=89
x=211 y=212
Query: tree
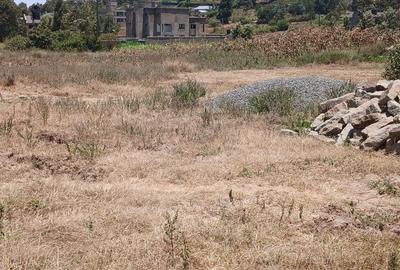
x=224 y=11
x=108 y=24
x=36 y=11
x=23 y=8
x=390 y=18
x=59 y=12
x=9 y=14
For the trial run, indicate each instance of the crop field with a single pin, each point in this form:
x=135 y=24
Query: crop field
x=105 y=163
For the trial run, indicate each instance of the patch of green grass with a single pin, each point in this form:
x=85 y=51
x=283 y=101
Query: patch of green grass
x=135 y=45
x=385 y=187
x=276 y=101
x=188 y=93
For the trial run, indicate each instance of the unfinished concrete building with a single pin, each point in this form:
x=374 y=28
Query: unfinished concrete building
x=145 y=20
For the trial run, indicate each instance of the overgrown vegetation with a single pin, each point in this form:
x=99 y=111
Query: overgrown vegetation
x=187 y=94
x=276 y=101
x=392 y=71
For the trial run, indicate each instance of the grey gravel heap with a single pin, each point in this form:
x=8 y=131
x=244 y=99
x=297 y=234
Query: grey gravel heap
x=368 y=118
x=308 y=90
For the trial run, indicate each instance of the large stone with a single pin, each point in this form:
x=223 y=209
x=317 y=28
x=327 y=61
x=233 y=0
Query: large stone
x=376 y=126
x=331 y=129
x=363 y=120
x=318 y=121
x=322 y=138
x=345 y=135
x=357 y=101
x=395 y=134
x=369 y=87
x=383 y=85
x=376 y=94
x=377 y=139
x=329 y=104
x=337 y=108
x=337 y=118
x=392 y=146
x=288 y=132
x=393 y=107
x=390 y=94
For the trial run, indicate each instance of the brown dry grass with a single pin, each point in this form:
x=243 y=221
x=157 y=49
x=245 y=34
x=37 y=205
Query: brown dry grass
x=296 y=203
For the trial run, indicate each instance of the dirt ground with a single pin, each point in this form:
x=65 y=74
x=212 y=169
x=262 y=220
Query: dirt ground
x=140 y=184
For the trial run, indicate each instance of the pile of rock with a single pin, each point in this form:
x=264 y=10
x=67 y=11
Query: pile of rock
x=368 y=118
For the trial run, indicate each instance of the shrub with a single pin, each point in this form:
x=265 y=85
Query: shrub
x=392 y=70
x=188 y=93
x=69 y=41
x=243 y=31
x=279 y=101
x=107 y=41
x=17 y=43
x=282 y=25
x=41 y=36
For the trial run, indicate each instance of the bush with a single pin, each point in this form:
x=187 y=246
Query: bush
x=243 y=31
x=17 y=43
x=392 y=70
x=107 y=41
x=41 y=36
x=69 y=41
x=188 y=93
x=282 y=25
x=278 y=101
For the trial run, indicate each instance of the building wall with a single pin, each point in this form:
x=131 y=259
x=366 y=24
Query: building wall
x=175 y=20
x=142 y=22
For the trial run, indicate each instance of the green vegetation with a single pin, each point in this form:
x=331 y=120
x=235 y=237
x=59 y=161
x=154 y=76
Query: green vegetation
x=74 y=27
x=135 y=45
x=392 y=70
x=277 y=101
x=187 y=94
x=17 y=43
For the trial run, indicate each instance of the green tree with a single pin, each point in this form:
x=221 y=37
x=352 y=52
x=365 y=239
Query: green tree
x=59 y=12
x=391 y=18
x=108 y=24
x=367 y=20
x=224 y=11
x=9 y=14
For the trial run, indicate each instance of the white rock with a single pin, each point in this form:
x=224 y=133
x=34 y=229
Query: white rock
x=345 y=134
x=377 y=139
x=393 y=107
x=329 y=104
x=376 y=126
x=288 y=132
x=390 y=94
x=318 y=121
x=383 y=85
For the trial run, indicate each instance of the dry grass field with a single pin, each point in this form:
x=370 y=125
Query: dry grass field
x=97 y=172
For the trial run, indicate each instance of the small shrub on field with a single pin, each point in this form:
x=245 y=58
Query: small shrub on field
x=6 y=126
x=9 y=80
x=86 y=150
x=17 y=43
x=69 y=41
x=107 y=41
x=337 y=92
x=392 y=70
x=386 y=187
x=243 y=31
x=263 y=28
x=277 y=101
x=188 y=93
x=108 y=76
x=282 y=25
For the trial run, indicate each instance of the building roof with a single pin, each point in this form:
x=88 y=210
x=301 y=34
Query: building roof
x=200 y=8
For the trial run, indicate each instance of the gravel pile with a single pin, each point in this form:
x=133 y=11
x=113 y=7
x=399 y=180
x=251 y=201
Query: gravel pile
x=307 y=90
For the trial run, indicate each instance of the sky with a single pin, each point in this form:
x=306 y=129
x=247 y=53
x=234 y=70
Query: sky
x=30 y=2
